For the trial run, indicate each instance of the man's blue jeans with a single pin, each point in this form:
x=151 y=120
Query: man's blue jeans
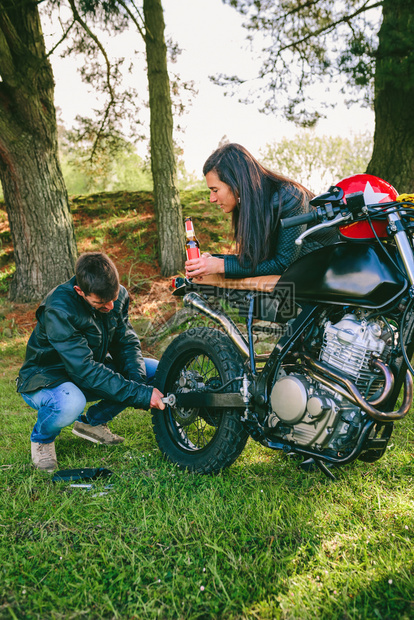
x=62 y=405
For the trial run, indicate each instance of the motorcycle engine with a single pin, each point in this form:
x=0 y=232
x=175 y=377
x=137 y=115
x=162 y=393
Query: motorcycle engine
x=310 y=414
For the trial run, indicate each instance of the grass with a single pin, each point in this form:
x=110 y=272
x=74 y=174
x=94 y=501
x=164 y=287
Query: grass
x=262 y=540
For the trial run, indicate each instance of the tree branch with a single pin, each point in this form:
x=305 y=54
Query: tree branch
x=331 y=26
x=86 y=28
x=296 y=10
x=65 y=34
x=134 y=19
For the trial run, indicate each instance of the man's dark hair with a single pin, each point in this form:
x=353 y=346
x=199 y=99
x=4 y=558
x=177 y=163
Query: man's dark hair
x=96 y=274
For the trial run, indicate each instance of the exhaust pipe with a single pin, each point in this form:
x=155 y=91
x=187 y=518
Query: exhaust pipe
x=198 y=303
x=356 y=397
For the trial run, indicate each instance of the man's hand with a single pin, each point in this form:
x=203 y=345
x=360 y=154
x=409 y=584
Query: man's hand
x=156 y=402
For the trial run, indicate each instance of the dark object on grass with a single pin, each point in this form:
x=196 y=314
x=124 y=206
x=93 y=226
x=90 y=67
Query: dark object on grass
x=87 y=473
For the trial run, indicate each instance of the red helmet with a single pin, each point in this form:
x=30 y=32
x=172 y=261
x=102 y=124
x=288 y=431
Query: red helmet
x=375 y=190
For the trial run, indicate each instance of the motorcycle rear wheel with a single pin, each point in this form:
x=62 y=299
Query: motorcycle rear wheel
x=202 y=440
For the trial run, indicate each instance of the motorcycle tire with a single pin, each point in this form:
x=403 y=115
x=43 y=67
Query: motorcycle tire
x=202 y=440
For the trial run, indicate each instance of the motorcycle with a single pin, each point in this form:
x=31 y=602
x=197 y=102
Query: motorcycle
x=343 y=323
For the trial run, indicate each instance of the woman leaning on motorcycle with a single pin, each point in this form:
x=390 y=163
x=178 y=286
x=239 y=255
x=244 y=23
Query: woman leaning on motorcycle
x=257 y=199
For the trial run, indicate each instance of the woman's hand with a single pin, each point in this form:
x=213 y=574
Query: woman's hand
x=204 y=266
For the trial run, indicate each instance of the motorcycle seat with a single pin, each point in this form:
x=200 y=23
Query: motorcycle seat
x=265 y=284
x=270 y=303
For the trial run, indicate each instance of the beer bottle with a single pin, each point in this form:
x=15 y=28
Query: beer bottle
x=192 y=247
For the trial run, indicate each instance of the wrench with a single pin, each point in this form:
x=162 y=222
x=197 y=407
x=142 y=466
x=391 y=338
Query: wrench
x=169 y=400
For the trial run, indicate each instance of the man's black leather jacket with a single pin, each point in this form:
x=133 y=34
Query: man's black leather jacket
x=74 y=342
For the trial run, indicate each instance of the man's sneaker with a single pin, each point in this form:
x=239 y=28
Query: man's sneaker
x=44 y=456
x=97 y=434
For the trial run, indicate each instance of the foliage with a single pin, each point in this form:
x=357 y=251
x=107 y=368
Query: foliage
x=116 y=165
x=113 y=168
x=79 y=22
x=311 y=42
x=5 y=278
x=87 y=29
x=318 y=161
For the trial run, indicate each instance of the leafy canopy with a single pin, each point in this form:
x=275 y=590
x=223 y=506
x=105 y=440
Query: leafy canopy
x=318 y=161
x=86 y=27
x=306 y=42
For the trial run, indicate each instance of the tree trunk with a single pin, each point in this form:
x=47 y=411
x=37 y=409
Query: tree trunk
x=166 y=197
x=393 y=154
x=34 y=190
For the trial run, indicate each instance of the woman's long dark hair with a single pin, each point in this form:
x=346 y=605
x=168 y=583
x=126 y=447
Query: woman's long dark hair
x=255 y=218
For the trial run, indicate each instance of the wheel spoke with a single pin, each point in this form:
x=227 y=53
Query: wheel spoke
x=195 y=428
x=202 y=439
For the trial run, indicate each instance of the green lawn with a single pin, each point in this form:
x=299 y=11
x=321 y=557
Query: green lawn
x=262 y=540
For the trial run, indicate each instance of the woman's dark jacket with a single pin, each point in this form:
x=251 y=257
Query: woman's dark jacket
x=74 y=342
x=288 y=201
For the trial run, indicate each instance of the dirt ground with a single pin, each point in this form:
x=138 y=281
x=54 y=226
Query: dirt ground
x=150 y=294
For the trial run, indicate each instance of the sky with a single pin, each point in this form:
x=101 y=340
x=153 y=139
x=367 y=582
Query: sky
x=213 y=41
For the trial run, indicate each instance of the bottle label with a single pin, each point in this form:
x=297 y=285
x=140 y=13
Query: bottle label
x=193 y=253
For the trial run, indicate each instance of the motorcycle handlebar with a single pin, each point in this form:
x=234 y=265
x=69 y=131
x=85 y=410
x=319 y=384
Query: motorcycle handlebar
x=297 y=220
